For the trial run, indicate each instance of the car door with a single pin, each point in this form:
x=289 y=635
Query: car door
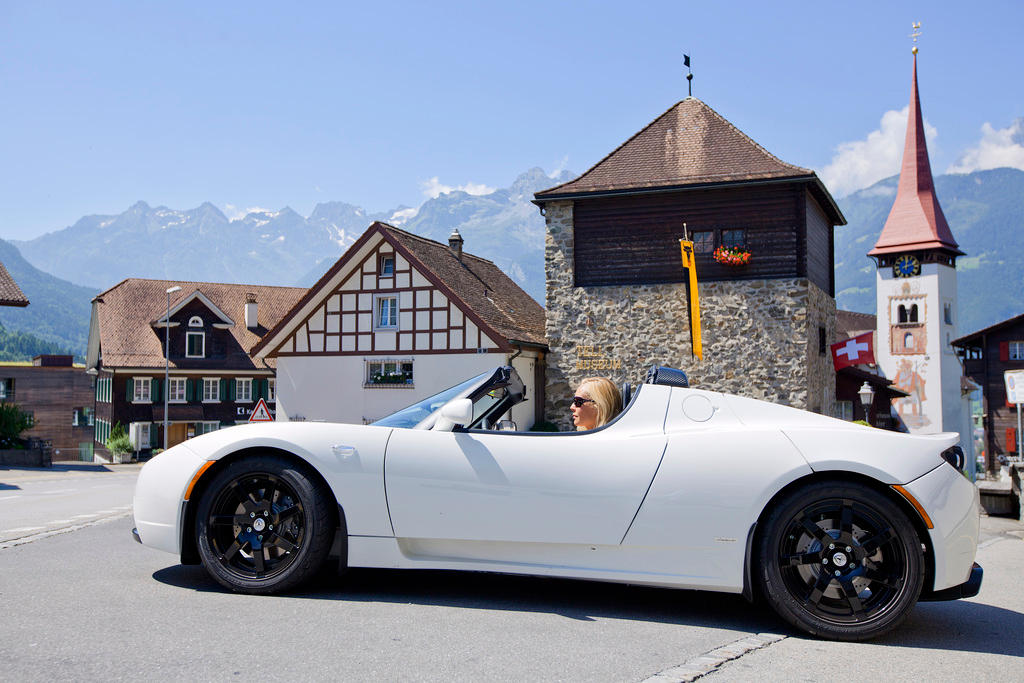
x=578 y=488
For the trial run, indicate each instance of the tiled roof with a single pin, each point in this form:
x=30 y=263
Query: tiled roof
x=10 y=292
x=690 y=144
x=916 y=220
x=850 y=324
x=127 y=313
x=483 y=287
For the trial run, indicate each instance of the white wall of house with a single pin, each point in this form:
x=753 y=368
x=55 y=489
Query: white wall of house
x=333 y=388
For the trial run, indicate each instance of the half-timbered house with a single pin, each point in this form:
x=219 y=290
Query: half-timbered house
x=616 y=298
x=398 y=318
x=212 y=382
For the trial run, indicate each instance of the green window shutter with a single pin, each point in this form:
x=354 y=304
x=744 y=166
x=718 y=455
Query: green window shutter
x=224 y=390
x=155 y=390
x=154 y=436
x=131 y=389
x=232 y=385
x=188 y=390
x=260 y=389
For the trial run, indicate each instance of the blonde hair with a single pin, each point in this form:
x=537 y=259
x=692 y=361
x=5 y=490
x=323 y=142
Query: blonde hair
x=606 y=397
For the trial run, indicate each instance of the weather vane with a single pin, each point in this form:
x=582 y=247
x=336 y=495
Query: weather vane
x=689 y=76
x=917 y=32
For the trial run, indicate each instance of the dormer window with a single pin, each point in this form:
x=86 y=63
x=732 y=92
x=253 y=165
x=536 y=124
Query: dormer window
x=387 y=265
x=195 y=344
x=195 y=321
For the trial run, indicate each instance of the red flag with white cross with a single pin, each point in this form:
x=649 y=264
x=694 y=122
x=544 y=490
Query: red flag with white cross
x=858 y=350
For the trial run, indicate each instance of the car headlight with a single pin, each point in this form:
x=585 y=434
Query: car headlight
x=954 y=455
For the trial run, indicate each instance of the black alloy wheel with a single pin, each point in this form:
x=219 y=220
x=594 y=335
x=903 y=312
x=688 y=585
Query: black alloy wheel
x=264 y=525
x=840 y=560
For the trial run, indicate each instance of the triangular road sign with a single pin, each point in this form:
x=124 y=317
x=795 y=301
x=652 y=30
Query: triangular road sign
x=261 y=413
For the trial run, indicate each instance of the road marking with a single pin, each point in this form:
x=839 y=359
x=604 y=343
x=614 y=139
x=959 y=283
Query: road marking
x=21 y=529
x=92 y=514
x=17 y=495
x=46 y=534
x=704 y=664
x=60 y=521
x=50 y=493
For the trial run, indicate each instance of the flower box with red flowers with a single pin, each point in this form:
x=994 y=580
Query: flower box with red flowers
x=732 y=256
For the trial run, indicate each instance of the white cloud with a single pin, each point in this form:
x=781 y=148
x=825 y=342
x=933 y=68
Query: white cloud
x=235 y=213
x=862 y=163
x=559 y=167
x=997 y=148
x=434 y=188
x=402 y=216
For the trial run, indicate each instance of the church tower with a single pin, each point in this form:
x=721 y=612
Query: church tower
x=916 y=293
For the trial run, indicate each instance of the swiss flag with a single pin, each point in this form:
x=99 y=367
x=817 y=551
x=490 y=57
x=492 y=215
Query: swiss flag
x=855 y=351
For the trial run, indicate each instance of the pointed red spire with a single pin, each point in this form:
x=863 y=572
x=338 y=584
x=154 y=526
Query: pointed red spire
x=916 y=220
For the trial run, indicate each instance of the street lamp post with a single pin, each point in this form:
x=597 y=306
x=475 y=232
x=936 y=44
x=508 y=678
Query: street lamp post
x=167 y=357
x=867 y=397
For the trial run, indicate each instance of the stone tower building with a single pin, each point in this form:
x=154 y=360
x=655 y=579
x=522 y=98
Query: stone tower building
x=616 y=294
x=916 y=294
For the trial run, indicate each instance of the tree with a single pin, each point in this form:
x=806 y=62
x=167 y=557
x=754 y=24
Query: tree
x=118 y=442
x=13 y=421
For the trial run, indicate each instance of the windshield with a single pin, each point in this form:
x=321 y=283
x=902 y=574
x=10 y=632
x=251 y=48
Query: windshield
x=418 y=413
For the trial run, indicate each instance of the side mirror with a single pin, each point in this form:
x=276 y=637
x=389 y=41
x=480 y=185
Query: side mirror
x=458 y=411
x=507 y=426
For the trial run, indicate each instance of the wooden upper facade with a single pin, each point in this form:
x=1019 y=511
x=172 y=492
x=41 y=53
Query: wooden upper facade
x=690 y=166
x=393 y=292
x=986 y=355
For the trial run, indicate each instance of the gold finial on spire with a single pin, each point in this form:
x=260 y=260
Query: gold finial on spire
x=917 y=32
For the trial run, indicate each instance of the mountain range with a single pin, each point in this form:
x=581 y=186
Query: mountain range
x=284 y=248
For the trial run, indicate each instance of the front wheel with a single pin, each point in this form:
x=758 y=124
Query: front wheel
x=840 y=560
x=264 y=524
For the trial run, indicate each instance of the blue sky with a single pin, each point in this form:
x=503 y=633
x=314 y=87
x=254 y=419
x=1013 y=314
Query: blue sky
x=261 y=104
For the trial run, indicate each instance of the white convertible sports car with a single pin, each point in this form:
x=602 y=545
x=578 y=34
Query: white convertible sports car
x=840 y=527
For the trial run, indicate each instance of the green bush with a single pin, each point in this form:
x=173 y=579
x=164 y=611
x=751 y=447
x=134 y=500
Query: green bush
x=118 y=442
x=13 y=421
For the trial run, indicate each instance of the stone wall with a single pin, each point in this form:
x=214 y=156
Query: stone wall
x=761 y=337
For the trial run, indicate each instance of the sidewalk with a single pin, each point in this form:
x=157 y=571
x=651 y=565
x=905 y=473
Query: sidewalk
x=61 y=470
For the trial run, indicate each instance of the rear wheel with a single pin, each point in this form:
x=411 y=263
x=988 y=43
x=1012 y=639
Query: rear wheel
x=264 y=524
x=840 y=560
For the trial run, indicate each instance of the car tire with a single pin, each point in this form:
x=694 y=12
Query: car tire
x=264 y=525
x=840 y=560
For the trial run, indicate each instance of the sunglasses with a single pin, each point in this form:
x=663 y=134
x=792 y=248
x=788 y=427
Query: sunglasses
x=578 y=401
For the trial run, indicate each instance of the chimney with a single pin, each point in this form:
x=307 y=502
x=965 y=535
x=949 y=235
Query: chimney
x=250 y=311
x=455 y=243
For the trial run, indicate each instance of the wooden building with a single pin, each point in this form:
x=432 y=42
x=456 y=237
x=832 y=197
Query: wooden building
x=57 y=395
x=396 y=319
x=213 y=381
x=986 y=355
x=615 y=276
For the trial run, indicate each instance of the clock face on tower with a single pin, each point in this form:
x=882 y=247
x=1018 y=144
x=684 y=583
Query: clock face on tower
x=906 y=266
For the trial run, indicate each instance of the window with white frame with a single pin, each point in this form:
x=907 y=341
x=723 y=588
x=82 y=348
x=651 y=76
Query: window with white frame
x=389 y=373
x=387 y=266
x=1016 y=350
x=386 y=313
x=104 y=386
x=143 y=388
x=195 y=321
x=206 y=427
x=211 y=389
x=143 y=435
x=243 y=390
x=844 y=410
x=6 y=385
x=176 y=390
x=195 y=344
x=272 y=389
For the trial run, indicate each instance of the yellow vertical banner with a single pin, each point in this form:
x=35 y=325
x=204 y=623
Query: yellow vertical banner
x=690 y=263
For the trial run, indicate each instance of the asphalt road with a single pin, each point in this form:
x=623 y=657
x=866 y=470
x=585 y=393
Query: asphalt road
x=89 y=603
x=36 y=502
